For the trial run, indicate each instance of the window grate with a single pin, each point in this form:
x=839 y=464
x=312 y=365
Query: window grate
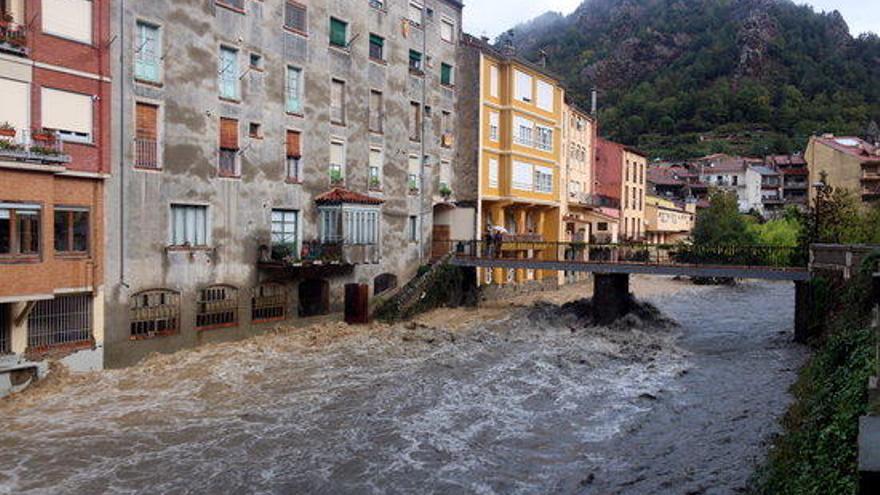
x=269 y=302
x=154 y=313
x=218 y=306
x=62 y=321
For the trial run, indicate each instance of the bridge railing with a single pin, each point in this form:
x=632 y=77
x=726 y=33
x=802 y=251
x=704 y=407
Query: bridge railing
x=627 y=253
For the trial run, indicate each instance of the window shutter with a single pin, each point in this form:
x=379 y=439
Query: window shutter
x=66 y=111
x=146 y=121
x=293 y=145
x=229 y=134
x=295 y=16
x=338 y=33
x=445 y=74
x=377 y=40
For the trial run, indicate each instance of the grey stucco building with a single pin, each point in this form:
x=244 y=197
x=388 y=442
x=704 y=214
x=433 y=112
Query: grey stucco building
x=267 y=152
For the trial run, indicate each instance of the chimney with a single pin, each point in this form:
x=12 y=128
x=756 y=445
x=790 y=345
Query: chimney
x=509 y=49
x=484 y=39
x=542 y=59
x=594 y=103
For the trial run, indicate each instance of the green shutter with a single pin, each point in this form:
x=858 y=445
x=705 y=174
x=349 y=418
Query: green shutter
x=377 y=40
x=338 y=32
x=445 y=74
x=415 y=56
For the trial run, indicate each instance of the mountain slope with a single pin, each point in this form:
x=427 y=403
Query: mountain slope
x=681 y=78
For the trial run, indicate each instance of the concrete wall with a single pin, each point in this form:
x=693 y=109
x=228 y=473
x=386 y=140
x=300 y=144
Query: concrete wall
x=240 y=208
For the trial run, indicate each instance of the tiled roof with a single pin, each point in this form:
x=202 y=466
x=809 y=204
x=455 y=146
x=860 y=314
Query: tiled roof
x=339 y=195
x=852 y=146
x=764 y=170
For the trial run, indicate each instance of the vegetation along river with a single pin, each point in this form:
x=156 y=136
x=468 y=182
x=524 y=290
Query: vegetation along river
x=519 y=399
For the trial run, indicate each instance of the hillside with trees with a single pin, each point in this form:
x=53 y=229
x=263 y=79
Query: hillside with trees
x=683 y=78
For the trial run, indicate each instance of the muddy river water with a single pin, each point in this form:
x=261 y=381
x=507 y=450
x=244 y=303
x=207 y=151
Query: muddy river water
x=528 y=401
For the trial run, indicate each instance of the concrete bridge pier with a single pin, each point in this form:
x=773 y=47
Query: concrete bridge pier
x=611 y=299
x=803 y=301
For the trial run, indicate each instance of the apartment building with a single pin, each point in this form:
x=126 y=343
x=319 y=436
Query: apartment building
x=270 y=152
x=621 y=176
x=668 y=221
x=512 y=158
x=736 y=175
x=579 y=146
x=54 y=160
x=845 y=163
x=794 y=177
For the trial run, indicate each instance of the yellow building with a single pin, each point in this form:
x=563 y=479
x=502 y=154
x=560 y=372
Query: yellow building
x=578 y=145
x=519 y=151
x=846 y=163
x=667 y=222
x=633 y=194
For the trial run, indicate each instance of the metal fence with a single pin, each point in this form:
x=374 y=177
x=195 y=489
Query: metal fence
x=648 y=254
x=146 y=154
x=269 y=302
x=218 y=306
x=62 y=321
x=154 y=313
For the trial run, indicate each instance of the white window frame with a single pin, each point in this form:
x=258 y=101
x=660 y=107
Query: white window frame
x=288 y=92
x=520 y=80
x=228 y=73
x=494 y=81
x=337 y=141
x=542 y=98
x=285 y=214
x=70 y=134
x=173 y=231
x=543 y=137
x=494 y=126
x=411 y=8
x=90 y=16
x=379 y=167
x=141 y=52
x=493 y=173
x=523 y=177
x=446 y=21
x=543 y=179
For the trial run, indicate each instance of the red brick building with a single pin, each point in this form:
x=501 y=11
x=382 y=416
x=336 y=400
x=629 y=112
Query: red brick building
x=54 y=157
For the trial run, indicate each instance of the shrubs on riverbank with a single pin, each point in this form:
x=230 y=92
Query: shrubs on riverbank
x=817 y=452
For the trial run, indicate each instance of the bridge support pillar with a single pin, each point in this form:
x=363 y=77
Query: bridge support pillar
x=803 y=301
x=610 y=297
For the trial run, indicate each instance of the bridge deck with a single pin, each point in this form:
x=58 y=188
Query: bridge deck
x=684 y=270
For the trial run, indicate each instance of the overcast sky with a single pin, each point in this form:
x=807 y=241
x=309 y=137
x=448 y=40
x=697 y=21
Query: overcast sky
x=492 y=17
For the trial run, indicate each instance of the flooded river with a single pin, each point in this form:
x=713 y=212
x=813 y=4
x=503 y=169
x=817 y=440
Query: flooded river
x=527 y=401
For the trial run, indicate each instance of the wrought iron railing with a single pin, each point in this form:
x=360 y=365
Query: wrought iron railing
x=33 y=145
x=13 y=36
x=146 y=154
x=778 y=257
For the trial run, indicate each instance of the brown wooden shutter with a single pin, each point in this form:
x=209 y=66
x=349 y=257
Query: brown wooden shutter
x=146 y=121
x=293 y=145
x=229 y=134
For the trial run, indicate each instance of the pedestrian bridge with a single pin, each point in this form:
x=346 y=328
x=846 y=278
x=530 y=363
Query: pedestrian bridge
x=738 y=262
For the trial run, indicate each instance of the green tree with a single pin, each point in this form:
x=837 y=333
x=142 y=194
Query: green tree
x=722 y=224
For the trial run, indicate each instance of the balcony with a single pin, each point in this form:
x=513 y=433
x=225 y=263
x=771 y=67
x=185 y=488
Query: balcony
x=871 y=191
x=35 y=146
x=315 y=253
x=146 y=154
x=13 y=37
x=593 y=200
x=871 y=174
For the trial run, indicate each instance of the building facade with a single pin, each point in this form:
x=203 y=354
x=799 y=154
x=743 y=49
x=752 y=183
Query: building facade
x=621 y=174
x=579 y=146
x=668 y=222
x=268 y=153
x=844 y=163
x=516 y=155
x=54 y=159
x=736 y=175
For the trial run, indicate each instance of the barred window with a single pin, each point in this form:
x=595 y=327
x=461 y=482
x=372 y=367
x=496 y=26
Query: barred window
x=65 y=320
x=217 y=307
x=295 y=17
x=269 y=303
x=154 y=313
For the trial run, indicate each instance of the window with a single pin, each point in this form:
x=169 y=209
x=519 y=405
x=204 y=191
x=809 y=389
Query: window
x=544 y=179
x=415 y=119
x=523 y=86
x=377 y=4
x=415 y=13
x=447 y=74
x=415 y=62
x=62 y=321
x=350 y=225
x=295 y=17
x=228 y=73
x=146 y=136
x=523 y=131
x=494 y=82
x=338 y=33
x=376 y=111
x=413 y=228
x=602 y=226
x=154 y=313
x=625 y=197
x=493 y=172
x=68 y=113
x=284 y=228
x=256 y=62
x=16 y=107
x=445 y=173
x=148 y=53
x=545 y=138
x=414 y=174
x=237 y=5
x=375 y=171
x=545 y=96
x=377 y=47
x=217 y=307
x=70 y=19
x=228 y=157
x=294 y=157
x=493 y=126
x=523 y=176
x=269 y=303
x=447 y=30
x=71 y=230
x=19 y=229
x=293 y=90
x=255 y=130
x=337 y=162
x=189 y=225
x=337 y=102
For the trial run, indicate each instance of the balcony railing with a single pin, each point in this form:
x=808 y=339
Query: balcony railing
x=33 y=146
x=594 y=200
x=871 y=190
x=316 y=252
x=13 y=37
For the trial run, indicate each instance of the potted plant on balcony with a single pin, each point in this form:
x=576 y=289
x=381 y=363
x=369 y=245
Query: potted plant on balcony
x=375 y=184
x=43 y=136
x=336 y=177
x=445 y=191
x=7 y=130
x=5 y=19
